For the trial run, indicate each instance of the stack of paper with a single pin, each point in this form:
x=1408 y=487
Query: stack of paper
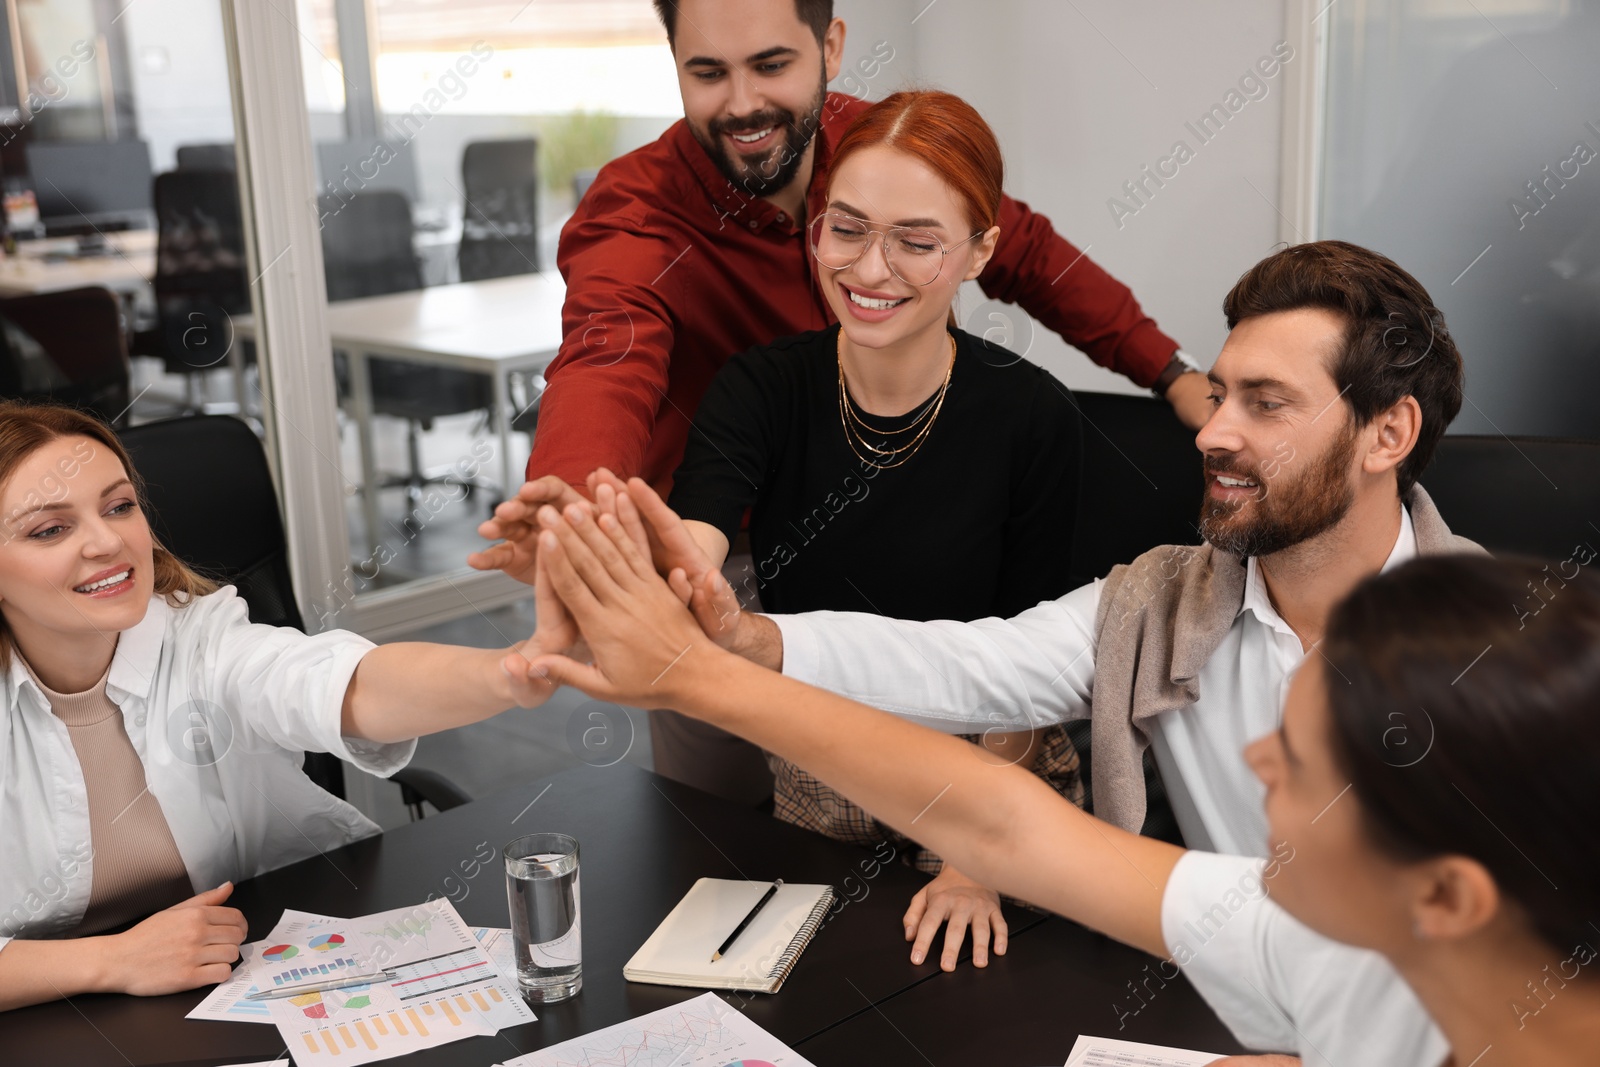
x=446 y=986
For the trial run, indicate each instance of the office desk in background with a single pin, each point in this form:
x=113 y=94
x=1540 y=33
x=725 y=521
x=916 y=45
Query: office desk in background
x=49 y=266
x=498 y=327
x=644 y=841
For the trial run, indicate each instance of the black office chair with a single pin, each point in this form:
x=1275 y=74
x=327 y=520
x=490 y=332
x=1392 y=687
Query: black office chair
x=500 y=219
x=207 y=157
x=214 y=506
x=68 y=347
x=1140 y=487
x=1141 y=483
x=367 y=250
x=1533 y=496
x=201 y=282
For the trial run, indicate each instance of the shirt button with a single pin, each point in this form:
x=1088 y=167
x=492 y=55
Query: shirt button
x=782 y=217
x=754 y=224
x=139 y=721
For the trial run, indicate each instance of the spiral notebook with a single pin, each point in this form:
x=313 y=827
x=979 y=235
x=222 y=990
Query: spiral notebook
x=679 y=952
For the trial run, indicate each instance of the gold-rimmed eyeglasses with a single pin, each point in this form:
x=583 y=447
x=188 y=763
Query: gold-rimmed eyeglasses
x=915 y=256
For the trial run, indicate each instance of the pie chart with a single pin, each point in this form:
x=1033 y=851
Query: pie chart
x=279 y=953
x=326 y=942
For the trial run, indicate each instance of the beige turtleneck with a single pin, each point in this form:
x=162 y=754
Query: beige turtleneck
x=137 y=868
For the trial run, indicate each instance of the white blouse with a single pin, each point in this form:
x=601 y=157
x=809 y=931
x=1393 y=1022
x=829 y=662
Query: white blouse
x=1281 y=986
x=221 y=712
x=1036 y=669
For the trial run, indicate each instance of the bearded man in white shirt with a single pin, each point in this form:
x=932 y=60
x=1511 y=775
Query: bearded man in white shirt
x=1335 y=384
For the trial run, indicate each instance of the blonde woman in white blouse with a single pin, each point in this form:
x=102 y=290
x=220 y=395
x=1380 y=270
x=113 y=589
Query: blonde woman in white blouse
x=1432 y=895
x=151 y=737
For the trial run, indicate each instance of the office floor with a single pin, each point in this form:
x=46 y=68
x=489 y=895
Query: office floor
x=433 y=536
x=432 y=533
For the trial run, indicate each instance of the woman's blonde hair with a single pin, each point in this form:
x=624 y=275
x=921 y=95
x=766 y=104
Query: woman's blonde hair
x=25 y=427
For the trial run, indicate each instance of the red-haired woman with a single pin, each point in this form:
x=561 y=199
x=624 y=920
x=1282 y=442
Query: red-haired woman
x=894 y=463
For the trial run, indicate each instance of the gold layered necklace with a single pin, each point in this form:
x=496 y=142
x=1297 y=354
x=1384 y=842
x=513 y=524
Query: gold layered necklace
x=911 y=436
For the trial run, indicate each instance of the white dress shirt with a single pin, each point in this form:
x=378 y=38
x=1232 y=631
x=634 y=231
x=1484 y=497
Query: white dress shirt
x=1037 y=669
x=220 y=712
x=1281 y=986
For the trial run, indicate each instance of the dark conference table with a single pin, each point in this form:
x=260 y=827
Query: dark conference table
x=854 y=997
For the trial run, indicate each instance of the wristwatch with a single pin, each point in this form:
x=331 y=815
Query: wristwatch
x=1182 y=363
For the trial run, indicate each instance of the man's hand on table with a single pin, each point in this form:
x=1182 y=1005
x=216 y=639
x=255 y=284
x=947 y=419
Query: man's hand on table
x=954 y=901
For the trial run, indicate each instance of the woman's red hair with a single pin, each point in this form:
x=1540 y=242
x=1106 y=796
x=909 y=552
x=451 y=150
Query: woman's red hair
x=944 y=132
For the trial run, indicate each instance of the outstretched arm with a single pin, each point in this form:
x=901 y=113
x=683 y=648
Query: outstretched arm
x=993 y=674
x=999 y=824
x=408 y=689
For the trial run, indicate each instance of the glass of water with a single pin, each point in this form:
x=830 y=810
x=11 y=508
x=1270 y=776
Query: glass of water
x=546 y=922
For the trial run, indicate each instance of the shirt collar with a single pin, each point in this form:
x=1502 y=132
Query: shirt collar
x=133 y=665
x=1255 y=587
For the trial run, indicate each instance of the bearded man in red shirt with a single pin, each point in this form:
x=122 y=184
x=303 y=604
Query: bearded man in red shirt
x=692 y=248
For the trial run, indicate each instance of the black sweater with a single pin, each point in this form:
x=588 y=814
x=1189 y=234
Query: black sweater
x=977 y=523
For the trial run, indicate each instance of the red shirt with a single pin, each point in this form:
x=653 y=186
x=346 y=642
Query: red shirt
x=671 y=269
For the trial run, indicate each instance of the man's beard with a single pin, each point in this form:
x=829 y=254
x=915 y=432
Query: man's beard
x=770 y=173
x=1285 y=513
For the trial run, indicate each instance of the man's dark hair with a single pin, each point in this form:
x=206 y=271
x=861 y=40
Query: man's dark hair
x=1395 y=343
x=814 y=13
x=1466 y=717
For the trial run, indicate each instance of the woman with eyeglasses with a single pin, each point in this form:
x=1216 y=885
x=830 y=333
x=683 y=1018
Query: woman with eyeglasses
x=895 y=463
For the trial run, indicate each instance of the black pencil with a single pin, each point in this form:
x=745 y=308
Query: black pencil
x=737 y=930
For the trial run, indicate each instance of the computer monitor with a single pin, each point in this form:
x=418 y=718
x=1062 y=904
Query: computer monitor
x=84 y=186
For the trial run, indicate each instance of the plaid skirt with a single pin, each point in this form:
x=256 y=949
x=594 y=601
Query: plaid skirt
x=800 y=798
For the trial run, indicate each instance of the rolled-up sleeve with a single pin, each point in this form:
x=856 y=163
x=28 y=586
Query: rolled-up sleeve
x=286 y=687
x=1035 y=669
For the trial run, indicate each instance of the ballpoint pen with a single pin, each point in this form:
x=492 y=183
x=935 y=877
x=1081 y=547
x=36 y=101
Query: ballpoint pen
x=321 y=987
x=737 y=930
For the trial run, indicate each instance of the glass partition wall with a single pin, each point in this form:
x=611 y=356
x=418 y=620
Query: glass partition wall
x=452 y=139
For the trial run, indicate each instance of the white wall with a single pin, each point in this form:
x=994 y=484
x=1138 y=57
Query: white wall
x=1082 y=95
x=180 y=75
x=875 y=29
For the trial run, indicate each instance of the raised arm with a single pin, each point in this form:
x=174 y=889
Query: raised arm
x=998 y=823
x=1033 y=670
x=604 y=386
x=408 y=689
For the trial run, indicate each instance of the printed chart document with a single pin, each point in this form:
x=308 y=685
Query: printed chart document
x=227 y=1003
x=704 y=1032
x=445 y=985
x=1109 y=1052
